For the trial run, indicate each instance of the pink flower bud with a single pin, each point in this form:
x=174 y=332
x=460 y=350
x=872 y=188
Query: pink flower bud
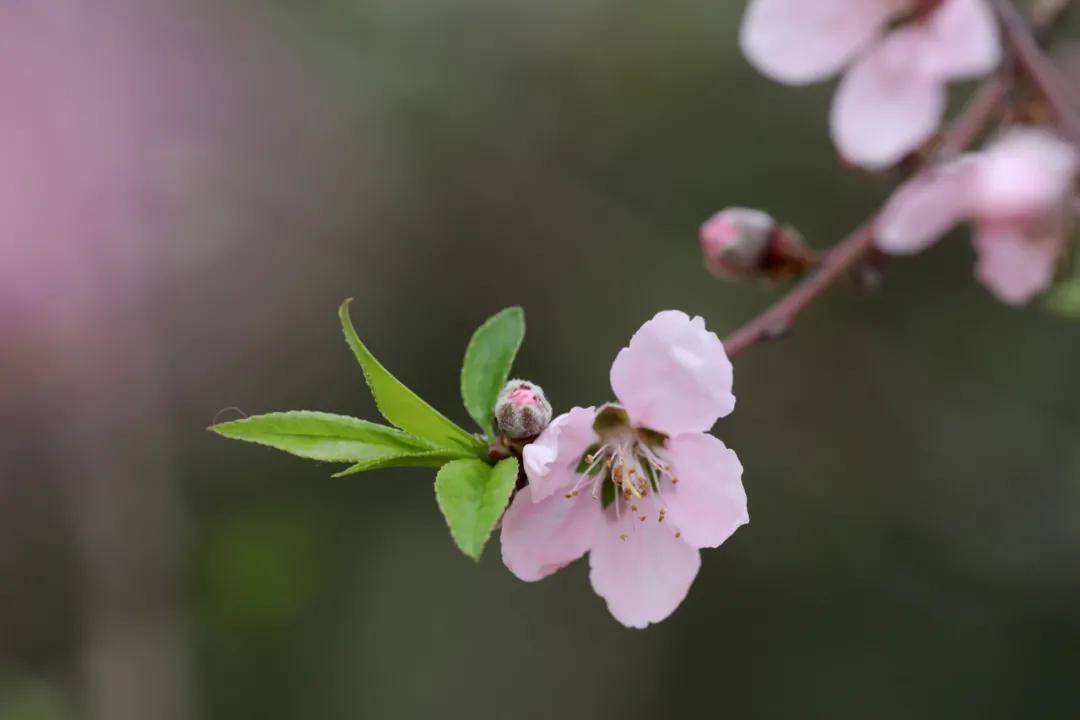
x=522 y=411
x=742 y=243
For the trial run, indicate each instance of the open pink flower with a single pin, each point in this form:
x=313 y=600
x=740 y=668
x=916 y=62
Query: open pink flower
x=1017 y=194
x=893 y=96
x=641 y=486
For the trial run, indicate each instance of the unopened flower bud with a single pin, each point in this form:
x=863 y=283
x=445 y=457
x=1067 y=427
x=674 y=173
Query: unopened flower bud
x=522 y=411
x=743 y=243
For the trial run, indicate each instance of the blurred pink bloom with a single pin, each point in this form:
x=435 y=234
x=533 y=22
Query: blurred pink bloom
x=673 y=487
x=125 y=123
x=1017 y=194
x=893 y=96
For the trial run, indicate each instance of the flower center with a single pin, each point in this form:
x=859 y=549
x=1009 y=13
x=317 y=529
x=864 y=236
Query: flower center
x=627 y=469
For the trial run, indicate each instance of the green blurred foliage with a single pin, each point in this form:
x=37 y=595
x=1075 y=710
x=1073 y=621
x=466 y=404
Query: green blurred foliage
x=1064 y=299
x=30 y=700
x=260 y=568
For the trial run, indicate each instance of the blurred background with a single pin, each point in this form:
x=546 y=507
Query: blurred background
x=189 y=189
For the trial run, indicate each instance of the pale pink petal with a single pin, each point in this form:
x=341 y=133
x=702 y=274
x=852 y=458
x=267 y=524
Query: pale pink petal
x=1015 y=262
x=1028 y=172
x=551 y=461
x=926 y=207
x=961 y=39
x=539 y=538
x=801 y=41
x=674 y=376
x=640 y=568
x=887 y=105
x=708 y=502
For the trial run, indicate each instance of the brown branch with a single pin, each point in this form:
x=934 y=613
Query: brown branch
x=1034 y=63
x=966 y=127
x=856 y=247
x=964 y=130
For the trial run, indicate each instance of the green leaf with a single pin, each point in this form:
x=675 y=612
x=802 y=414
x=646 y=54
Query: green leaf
x=434 y=459
x=336 y=438
x=472 y=496
x=400 y=405
x=1064 y=299
x=488 y=359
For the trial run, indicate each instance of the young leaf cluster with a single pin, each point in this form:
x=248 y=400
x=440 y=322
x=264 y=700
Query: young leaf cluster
x=472 y=492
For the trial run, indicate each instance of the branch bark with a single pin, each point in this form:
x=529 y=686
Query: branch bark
x=964 y=130
x=856 y=247
x=1034 y=63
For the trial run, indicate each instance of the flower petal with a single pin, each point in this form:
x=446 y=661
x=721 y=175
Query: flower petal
x=961 y=39
x=802 y=41
x=551 y=460
x=708 y=503
x=927 y=206
x=887 y=104
x=641 y=569
x=674 y=376
x=1028 y=172
x=539 y=538
x=1016 y=263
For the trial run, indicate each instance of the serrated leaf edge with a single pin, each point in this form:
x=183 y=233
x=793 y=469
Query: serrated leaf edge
x=421 y=443
x=437 y=459
x=425 y=449
x=352 y=339
x=492 y=469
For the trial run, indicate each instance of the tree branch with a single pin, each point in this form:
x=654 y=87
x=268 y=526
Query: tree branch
x=1034 y=63
x=964 y=130
x=856 y=247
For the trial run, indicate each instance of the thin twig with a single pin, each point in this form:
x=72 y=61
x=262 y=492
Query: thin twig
x=964 y=130
x=970 y=124
x=1034 y=63
x=1046 y=13
x=856 y=247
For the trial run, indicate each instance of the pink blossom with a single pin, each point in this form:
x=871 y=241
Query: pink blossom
x=1015 y=192
x=671 y=488
x=892 y=96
